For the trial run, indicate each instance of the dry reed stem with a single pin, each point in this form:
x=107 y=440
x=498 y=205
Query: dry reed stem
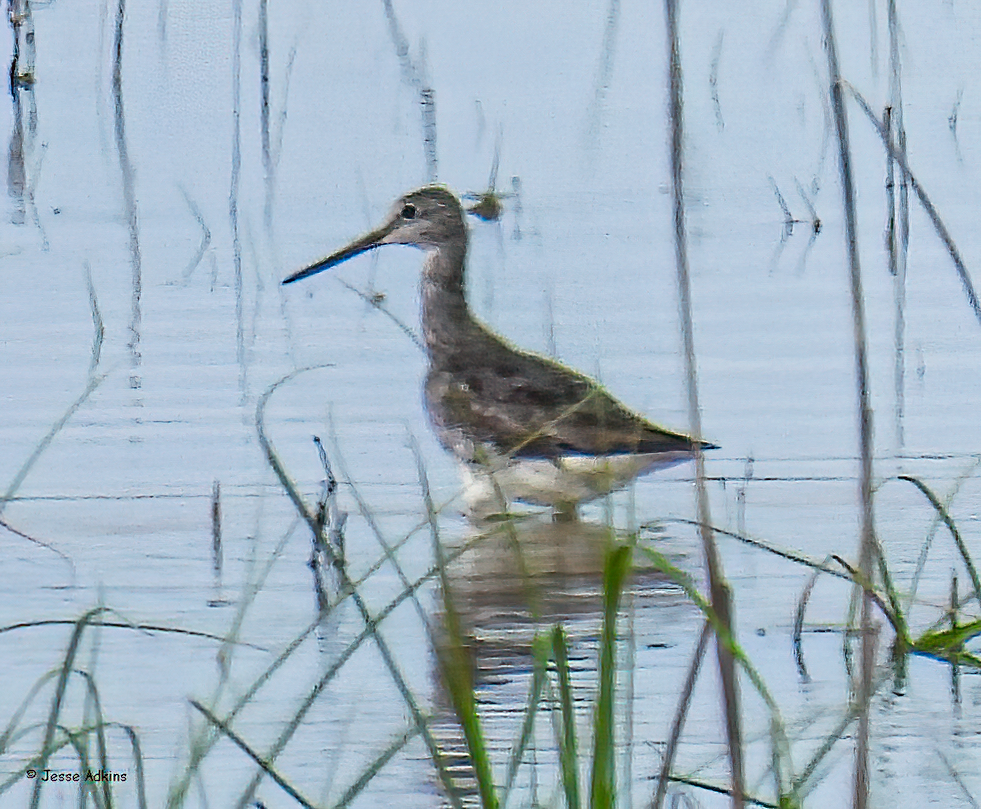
x=867 y=549
x=680 y=715
x=721 y=598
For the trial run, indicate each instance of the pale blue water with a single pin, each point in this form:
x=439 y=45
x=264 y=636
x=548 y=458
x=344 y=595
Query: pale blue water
x=124 y=488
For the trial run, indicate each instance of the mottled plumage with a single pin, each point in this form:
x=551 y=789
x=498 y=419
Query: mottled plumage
x=525 y=427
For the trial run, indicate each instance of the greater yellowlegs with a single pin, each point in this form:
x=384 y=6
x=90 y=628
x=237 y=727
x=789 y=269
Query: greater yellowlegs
x=523 y=426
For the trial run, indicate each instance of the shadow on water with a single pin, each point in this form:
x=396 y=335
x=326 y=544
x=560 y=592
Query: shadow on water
x=510 y=589
x=539 y=573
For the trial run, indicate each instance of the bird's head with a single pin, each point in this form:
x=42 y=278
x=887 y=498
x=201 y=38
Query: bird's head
x=428 y=218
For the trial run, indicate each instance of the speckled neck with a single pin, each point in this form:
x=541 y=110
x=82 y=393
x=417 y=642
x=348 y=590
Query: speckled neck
x=446 y=320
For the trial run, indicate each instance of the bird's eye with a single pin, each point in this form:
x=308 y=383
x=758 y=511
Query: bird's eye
x=409 y=211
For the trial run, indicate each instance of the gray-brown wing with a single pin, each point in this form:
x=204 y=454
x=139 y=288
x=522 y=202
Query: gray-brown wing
x=528 y=406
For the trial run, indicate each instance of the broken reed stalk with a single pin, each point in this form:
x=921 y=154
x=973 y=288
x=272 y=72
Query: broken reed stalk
x=867 y=542
x=216 y=550
x=719 y=589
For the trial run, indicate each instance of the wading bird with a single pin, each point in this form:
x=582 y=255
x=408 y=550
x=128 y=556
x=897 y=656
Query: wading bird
x=523 y=427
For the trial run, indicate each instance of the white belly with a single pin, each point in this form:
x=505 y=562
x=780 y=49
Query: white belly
x=565 y=482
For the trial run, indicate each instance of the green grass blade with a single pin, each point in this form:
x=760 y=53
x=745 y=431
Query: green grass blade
x=370 y=621
x=56 y=703
x=568 y=753
x=948 y=638
x=10 y=730
x=264 y=764
x=455 y=661
x=952 y=527
x=959 y=482
x=42 y=445
x=783 y=772
x=99 y=727
x=376 y=766
x=539 y=653
x=948 y=644
x=457 y=675
x=134 y=741
x=603 y=782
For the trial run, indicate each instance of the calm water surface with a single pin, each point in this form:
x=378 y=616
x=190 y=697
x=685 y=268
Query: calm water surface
x=119 y=502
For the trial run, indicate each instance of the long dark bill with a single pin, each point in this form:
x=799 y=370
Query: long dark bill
x=360 y=245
